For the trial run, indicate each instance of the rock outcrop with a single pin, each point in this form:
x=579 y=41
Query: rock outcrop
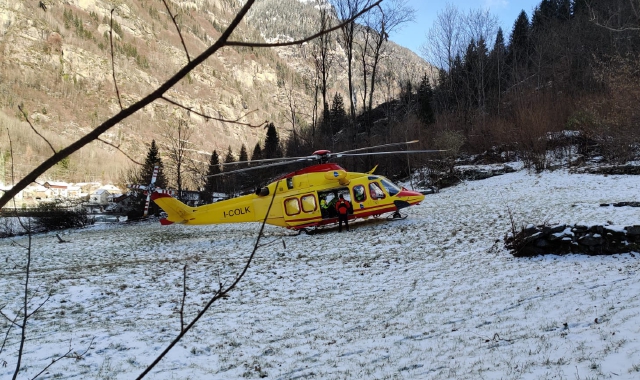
x=563 y=239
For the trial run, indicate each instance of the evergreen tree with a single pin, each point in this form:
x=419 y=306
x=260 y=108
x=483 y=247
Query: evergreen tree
x=146 y=173
x=212 y=184
x=272 y=143
x=580 y=8
x=425 y=100
x=243 y=179
x=244 y=157
x=257 y=153
x=337 y=115
x=564 y=10
x=144 y=178
x=519 y=47
x=229 y=180
x=497 y=70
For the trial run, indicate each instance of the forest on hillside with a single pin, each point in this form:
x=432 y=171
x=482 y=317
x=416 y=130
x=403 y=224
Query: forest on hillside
x=573 y=65
x=565 y=78
x=563 y=81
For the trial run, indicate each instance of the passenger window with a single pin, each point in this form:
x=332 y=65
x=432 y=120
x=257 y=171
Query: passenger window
x=292 y=206
x=358 y=193
x=375 y=191
x=308 y=203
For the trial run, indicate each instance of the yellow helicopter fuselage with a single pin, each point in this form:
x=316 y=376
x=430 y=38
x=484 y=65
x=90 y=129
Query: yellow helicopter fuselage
x=297 y=202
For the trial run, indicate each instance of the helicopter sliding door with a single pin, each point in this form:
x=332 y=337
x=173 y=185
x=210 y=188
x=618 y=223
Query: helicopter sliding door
x=328 y=200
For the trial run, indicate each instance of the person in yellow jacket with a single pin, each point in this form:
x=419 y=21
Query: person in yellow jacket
x=342 y=207
x=324 y=208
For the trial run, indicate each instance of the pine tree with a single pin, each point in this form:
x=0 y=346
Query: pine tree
x=519 y=46
x=229 y=180
x=497 y=70
x=337 y=114
x=425 y=99
x=146 y=173
x=257 y=153
x=244 y=157
x=212 y=184
x=272 y=143
x=144 y=178
x=564 y=10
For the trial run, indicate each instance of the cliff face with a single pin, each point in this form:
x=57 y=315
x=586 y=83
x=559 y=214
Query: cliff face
x=56 y=64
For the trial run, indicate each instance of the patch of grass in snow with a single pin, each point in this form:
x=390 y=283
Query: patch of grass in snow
x=634 y=368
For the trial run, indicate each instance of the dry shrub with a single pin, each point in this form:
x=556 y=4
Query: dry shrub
x=535 y=117
x=54 y=42
x=451 y=141
x=612 y=118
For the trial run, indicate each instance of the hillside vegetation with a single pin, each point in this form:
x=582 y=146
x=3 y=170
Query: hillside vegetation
x=56 y=66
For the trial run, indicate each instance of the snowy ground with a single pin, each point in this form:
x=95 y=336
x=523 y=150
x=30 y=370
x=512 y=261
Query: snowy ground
x=434 y=296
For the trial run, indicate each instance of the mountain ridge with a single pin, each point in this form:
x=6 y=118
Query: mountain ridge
x=56 y=64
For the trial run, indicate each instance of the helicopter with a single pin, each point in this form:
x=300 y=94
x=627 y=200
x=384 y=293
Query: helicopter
x=294 y=200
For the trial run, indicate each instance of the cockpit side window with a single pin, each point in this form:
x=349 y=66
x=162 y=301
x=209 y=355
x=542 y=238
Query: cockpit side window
x=391 y=188
x=375 y=191
x=359 y=194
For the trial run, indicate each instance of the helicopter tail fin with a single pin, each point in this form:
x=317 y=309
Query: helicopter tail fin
x=177 y=212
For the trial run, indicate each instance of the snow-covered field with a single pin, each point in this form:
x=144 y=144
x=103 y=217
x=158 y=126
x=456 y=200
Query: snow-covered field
x=434 y=296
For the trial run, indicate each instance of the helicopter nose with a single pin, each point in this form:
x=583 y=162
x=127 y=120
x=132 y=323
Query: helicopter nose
x=409 y=194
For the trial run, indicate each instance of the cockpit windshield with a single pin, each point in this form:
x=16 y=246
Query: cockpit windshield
x=390 y=187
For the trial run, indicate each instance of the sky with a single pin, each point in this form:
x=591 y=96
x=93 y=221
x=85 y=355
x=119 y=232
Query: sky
x=413 y=35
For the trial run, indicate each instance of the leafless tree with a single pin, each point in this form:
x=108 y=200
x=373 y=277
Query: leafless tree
x=177 y=140
x=323 y=47
x=480 y=24
x=617 y=21
x=444 y=39
x=346 y=10
x=382 y=22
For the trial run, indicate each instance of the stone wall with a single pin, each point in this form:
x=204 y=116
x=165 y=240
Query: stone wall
x=563 y=239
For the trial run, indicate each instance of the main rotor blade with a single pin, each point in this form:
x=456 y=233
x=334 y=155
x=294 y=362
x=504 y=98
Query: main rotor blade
x=395 y=152
x=269 y=160
x=256 y=167
x=375 y=147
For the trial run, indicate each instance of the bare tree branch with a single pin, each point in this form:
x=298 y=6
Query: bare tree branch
x=173 y=18
x=38 y=308
x=25 y=317
x=120 y=150
x=184 y=295
x=236 y=121
x=593 y=17
x=113 y=60
x=67 y=355
x=26 y=117
x=6 y=336
x=307 y=39
x=13 y=322
x=220 y=294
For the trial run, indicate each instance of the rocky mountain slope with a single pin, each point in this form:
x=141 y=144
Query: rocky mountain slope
x=56 y=65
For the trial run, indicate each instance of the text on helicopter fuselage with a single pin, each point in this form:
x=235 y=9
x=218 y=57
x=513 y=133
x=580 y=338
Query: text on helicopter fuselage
x=236 y=212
